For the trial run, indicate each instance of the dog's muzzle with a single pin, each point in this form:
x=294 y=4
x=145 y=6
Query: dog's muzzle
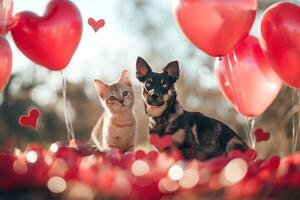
x=155 y=100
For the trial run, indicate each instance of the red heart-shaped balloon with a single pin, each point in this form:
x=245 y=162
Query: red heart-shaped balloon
x=5 y=62
x=161 y=142
x=52 y=39
x=280 y=40
x=215 y=26
x=260 y=135
x=30 y=119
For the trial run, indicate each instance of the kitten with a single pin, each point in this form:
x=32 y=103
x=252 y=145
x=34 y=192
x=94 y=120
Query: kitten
x=116 y=127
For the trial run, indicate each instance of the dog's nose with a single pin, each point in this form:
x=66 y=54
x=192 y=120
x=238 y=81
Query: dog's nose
x=154 y=96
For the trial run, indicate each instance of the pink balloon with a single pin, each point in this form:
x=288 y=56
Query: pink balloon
x=247 y=79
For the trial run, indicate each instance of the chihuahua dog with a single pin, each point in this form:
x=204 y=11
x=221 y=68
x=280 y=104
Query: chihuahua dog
x=193 y=133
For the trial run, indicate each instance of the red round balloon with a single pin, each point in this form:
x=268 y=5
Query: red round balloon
x=215 y=26
x=247 y=79
x=5 y=62
x=280 y=40
x=52 y=39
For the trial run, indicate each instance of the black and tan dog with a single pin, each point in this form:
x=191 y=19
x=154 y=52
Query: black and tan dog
x=194 y=134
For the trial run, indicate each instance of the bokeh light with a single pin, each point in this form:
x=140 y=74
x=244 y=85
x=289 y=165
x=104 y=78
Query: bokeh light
x=48 y=159
x=166 y=185
x=31 y=156
x=121 y=186
x=53 y=147
x=88 y=161
x=189 y=179
x=140 y=168
x=233 y=172
x=77 y=190
x=56 y=184
x=58 y=168
x=20 y=167
x=175 y=172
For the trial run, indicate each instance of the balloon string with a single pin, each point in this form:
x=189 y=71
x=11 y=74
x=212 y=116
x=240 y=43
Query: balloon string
x=68 y=121
x=293 y=125
x=42 y=138
x=237 y=102
x=4 y=9
x=251 y=121
x=246 y=128
x=298 y=128
x=232 y=78
x=295 y=128
x=228 y=79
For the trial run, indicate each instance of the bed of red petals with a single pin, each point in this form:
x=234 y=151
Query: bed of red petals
x=61 y=172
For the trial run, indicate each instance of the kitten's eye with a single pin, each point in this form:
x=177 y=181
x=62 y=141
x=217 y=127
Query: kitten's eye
x=112 y=98
x=148 y=83
x=125 y=94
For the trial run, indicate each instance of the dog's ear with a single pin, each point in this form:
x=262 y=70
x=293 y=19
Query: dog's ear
x=142 y=69
x=172 y=69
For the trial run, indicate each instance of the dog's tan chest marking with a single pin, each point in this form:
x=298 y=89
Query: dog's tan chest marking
x=179 y=136
x=155 y=111
x=194 y=131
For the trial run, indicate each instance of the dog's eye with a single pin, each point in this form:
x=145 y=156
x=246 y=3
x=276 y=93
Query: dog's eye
x=112 y=98
x=125 y=94
x=164 y=85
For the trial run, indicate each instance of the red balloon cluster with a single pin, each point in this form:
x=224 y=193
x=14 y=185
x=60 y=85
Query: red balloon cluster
x=50 y=40
x=247 y=79
x=81 y=174
x=244 y=69
x=280 y=40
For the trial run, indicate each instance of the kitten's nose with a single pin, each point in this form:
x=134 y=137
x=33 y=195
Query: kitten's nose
x=121 y=101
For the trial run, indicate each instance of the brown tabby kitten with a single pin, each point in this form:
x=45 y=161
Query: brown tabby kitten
x=116 y=127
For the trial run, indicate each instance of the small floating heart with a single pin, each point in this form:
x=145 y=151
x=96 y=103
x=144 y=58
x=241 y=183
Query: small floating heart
x=260 y=135
x=161 y=142
x=96 y=25
x=30 y=120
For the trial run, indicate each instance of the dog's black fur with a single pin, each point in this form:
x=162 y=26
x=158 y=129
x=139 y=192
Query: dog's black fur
x=194 y=134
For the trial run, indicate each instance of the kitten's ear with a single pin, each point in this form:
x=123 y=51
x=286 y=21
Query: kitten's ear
x=142 y=69
x=101 y=87
x=125 y=78
x=172 y=69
